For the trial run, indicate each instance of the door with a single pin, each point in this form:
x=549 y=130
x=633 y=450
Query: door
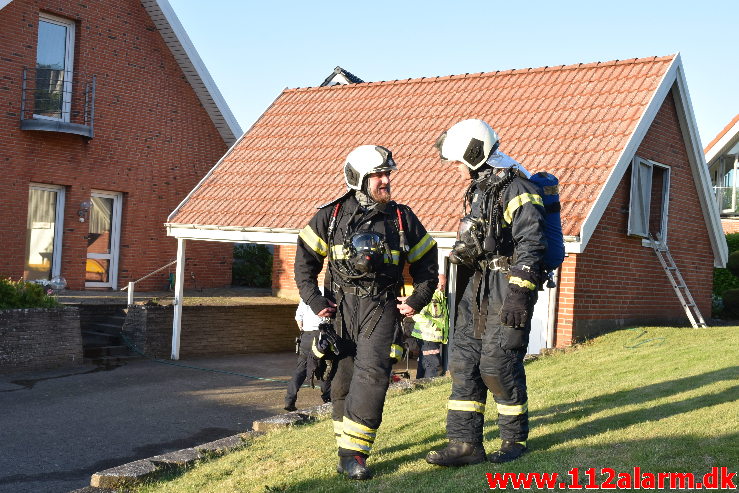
x=103 y=240
x=44 y=232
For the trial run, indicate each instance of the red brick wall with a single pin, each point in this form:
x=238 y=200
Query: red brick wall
x=730 y=225
x=153 y=142
x=618 y=282
x=283 y=274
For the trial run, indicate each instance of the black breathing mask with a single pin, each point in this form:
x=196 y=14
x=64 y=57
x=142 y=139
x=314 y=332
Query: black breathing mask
x=366 y=251
x=469 y=248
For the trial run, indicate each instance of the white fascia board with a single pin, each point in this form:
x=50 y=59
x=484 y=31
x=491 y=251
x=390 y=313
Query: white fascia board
x=699 y=168
x=193 y=67
x=731 y=137
x=627 y=154
x=264 y=236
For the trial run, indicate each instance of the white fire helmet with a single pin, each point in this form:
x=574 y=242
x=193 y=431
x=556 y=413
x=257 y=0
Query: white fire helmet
x=469 y=141
x=365 y=160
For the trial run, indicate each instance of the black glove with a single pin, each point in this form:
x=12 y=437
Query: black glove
x=514 y=312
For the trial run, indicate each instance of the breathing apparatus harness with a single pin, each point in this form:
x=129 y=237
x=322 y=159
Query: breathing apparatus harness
x=480 y=240
x=358 y=270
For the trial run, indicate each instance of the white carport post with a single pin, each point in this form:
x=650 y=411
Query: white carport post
x=179 y=288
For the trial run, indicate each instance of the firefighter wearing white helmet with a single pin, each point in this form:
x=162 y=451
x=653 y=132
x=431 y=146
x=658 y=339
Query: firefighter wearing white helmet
x=364 y=161
x=367 y=239
x=502 y=240
x=470 y=142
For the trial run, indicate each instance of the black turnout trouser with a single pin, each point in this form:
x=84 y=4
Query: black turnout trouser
x=494 y=362
x=306 y=339
x=429 y=359
x=363 y=373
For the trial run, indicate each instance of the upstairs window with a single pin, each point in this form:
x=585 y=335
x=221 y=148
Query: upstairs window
x=650 y=192
x=54 y=59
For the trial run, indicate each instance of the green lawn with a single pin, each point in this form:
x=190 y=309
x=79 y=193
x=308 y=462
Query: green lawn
x=663 y=399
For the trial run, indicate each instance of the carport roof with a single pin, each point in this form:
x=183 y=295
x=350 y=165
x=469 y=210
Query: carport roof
x=576 y=121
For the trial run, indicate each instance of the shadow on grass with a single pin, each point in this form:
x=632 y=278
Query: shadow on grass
x=583 y=409
x=691 y=458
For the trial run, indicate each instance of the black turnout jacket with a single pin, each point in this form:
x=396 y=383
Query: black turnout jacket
x=314 y=245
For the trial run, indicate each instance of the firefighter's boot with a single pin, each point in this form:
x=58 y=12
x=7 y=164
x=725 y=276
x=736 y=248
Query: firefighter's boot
x=508 y=451
x=457 y=454
x=354 y=466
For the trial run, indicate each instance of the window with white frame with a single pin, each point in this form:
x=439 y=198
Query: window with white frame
x=54 y=60
x=650 y=193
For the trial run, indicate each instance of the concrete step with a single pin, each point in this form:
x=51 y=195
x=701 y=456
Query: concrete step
x=102 y=351
x=111 y=361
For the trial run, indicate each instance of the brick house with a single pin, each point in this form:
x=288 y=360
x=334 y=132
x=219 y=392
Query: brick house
x=722 y=156
x=109 y=119
x=589 y=124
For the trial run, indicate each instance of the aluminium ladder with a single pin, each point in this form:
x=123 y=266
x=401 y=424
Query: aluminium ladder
x=678 y=283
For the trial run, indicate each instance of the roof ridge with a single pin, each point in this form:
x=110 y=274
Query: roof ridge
x=552 y=68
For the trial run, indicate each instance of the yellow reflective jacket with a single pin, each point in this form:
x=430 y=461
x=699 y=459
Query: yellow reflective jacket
x=432 y=323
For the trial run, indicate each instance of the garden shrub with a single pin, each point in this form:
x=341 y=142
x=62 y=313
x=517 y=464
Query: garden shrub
x=252 y=266
x=24 y=294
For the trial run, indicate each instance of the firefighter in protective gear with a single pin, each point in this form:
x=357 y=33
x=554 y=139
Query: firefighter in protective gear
x=431 y=328
x=367 y=239
x=503 y=251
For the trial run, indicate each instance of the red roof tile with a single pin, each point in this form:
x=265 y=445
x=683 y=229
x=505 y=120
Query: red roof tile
x=721 y=134
x=570 y=120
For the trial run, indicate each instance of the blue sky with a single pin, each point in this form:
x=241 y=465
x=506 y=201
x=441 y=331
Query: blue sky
x=254 y=50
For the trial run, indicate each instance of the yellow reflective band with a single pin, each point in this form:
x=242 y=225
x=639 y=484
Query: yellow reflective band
x=396 y=352
x=420 y=249
x=522 y=282
x=338 y=253
x=518 y=201
x=393 y=258
x=471 y=406
x=513 y=410
x=338 y=427
x=358 y=430
x=311 y=239
x=347 y=442
x=316 y=351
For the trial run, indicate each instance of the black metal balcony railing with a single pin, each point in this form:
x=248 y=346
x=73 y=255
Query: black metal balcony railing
x=58 y=101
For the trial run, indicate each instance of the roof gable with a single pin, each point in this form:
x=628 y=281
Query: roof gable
x=192 y=66
x=579 y=122
x=724 y=141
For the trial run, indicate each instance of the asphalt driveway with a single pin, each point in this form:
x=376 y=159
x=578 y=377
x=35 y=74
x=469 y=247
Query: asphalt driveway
x=59 y=427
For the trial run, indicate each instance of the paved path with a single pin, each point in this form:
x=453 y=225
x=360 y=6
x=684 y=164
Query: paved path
x=58 y=427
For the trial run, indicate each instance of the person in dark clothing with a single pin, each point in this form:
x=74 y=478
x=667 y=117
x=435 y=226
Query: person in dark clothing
x=502 y=241
x=308 y=324
x=367 y=238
